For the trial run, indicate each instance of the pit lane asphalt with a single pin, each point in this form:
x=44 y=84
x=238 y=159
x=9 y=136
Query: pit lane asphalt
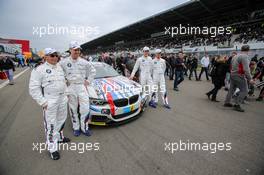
x=138 y=147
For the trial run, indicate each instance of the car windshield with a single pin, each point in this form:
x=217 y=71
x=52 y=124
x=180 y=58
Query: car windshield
x=104 y=71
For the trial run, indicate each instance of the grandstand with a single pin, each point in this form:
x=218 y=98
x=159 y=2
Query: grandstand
x=246 y=19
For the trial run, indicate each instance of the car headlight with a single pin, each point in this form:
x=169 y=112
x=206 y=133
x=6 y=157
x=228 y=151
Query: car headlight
x=98 y=102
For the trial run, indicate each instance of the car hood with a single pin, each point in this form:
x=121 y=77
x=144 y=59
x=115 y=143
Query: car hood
x=113 y=88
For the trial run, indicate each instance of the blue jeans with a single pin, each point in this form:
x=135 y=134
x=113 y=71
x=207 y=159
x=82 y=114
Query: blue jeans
x=178 y=78
x=10 y=75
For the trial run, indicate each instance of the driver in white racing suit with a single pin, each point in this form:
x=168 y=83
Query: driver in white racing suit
x=145 y=65
x=159 y=67
x=47 y=86
x=79 y=74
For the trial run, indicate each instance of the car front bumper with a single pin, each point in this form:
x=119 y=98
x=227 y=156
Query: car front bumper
x=101 y=115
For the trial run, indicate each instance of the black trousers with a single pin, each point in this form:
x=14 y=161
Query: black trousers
x=186 y=71
x=191 y=73
x=167 y=71
x=171 y=73
x=204 y=69
x=214 y=91
x=261 y=94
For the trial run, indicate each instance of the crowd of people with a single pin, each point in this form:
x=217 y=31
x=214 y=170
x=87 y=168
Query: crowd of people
x=218 y=68
x=252 y=32
x=241 y=33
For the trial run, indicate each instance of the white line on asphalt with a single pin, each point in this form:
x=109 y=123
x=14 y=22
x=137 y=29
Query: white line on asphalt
x=15 y=77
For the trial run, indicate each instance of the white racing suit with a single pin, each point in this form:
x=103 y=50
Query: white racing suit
x=77 y=72
x=145 y=65
x=47 y=86
x=159 y=67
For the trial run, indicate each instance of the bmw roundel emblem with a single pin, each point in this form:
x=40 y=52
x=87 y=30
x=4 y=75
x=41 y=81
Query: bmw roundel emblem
x=69 y=65
x=48 y=71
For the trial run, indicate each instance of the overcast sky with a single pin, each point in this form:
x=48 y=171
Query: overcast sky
x=21 y=19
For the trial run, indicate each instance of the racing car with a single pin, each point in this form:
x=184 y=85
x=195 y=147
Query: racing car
x=114 y=98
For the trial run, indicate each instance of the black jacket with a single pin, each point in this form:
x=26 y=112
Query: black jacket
x=171 y=60
x=109 y=61
x=194 y=63
x=178 y=64
x=6 y=64
x=220 y=73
